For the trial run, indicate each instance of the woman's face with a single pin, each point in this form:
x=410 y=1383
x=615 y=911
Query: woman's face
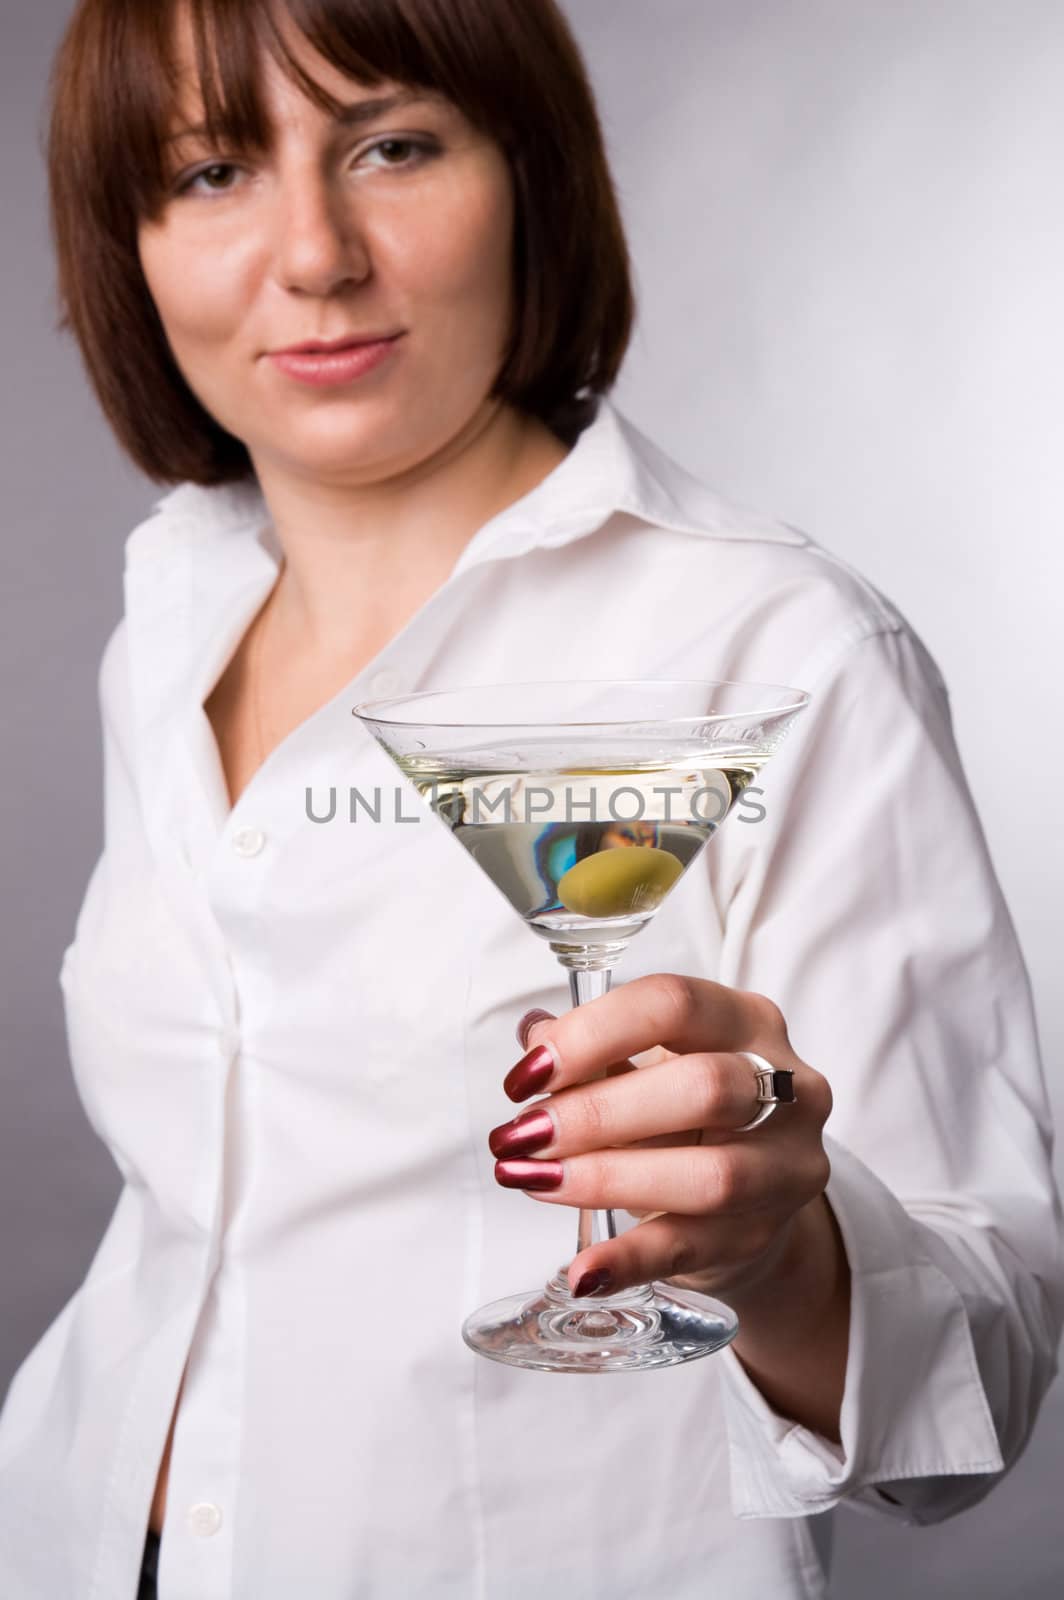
x=395 y=222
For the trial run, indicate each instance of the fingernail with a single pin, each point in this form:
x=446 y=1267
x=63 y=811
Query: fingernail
x=529 y=1174
x=588 y=1282
x=528 y=1022
x=526 y=1134
x=531 y=1074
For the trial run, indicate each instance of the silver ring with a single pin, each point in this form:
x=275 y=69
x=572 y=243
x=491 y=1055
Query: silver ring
x=775 y=1087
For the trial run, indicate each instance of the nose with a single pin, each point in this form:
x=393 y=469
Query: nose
x=319 y=244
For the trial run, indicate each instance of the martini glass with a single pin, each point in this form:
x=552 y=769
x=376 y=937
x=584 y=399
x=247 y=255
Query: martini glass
x=585 y=802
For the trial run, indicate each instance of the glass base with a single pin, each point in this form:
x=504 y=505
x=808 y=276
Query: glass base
x=632 y=1331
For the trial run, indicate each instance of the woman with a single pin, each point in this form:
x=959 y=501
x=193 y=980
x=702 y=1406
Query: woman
x=294 y=1035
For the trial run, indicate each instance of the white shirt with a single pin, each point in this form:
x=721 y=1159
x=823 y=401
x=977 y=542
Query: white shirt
x=292 y=1036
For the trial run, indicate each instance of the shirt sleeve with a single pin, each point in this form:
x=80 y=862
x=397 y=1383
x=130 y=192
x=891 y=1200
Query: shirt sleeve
x=868 y=909
x=121 y=805
x=124 y=852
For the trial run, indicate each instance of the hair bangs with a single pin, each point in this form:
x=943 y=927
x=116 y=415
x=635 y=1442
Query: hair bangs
x=460 y=51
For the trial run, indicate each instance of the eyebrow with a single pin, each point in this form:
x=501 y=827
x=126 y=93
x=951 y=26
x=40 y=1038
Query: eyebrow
x=349 y=116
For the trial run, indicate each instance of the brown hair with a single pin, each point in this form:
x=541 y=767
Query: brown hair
x=511 y=66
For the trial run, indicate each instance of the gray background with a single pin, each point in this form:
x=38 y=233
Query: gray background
x=846 y=222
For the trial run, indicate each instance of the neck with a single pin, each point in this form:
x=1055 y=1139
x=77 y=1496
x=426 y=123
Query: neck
x=360 y=558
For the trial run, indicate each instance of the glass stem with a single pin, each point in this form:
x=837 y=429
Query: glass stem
x=585 y=985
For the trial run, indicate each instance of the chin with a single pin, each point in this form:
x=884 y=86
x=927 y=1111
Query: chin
x=335 y=434
x=393 y=436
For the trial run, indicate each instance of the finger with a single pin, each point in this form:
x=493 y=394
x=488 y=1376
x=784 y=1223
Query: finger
x=669 y=1141
x=683 y=1014
x=718 y=1092
x=529 y=1020
x=721 y=1180
x=669 y=1247
x=537 y=1015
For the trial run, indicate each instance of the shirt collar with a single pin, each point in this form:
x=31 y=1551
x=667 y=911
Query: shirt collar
x=611 y=468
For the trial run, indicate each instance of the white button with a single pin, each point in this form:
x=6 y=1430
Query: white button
x=248 y=842
x=384 y=684
x=204 y=1519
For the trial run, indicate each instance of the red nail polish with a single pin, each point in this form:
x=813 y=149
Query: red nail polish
x=523 y=1136
x=588 y=1282
x=529 y=1174
x=531 y=1074
x=528 y=1022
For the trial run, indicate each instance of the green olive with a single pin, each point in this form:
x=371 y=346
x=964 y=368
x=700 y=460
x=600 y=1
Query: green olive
x=612 y=883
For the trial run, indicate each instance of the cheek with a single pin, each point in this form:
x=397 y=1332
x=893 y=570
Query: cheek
x=199 y=291
x=458 y=250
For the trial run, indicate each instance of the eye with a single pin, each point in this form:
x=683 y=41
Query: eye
x=209 y=174
x=415 y=151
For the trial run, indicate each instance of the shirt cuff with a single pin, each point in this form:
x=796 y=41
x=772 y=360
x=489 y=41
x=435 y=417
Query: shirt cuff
x=913 y=1405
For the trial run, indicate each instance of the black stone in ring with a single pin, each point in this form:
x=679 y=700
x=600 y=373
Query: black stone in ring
x=782 y=1087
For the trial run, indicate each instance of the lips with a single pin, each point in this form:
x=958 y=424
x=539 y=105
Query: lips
x=337 y=364
x=331 y=346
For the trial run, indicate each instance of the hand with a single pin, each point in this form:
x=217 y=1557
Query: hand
x=719 y=1207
